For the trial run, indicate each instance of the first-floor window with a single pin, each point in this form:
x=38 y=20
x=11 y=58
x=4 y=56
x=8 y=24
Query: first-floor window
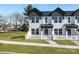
x=60 y=31
x=37 y=31
x=78 y=30
x=33 y=31
x=56 y=31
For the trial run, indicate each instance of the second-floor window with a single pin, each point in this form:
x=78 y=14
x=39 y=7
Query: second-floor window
x=37 y=19
x=78 y=19
x=60 y=19
x=55 y=20
x=68 y=19
x=46 y=20
x=33 y=20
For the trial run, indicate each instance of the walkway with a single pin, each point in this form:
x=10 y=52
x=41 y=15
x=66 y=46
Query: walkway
x=39 y=44
x=2 y=52
x=52 y=42
x=75 y=41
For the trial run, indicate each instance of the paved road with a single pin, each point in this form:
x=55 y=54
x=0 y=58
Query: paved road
x=40 y=44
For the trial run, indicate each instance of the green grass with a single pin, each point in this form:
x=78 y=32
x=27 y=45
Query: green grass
x=65 y=42
x=19 y=36
x=36 y=49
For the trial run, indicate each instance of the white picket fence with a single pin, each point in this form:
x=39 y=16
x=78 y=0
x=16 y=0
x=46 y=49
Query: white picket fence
x=58 y=37
x=66 y=37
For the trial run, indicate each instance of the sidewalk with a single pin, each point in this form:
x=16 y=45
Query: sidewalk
x=40 y=44
x=76 y=42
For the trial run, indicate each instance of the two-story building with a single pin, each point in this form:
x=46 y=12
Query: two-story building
x=56 y=24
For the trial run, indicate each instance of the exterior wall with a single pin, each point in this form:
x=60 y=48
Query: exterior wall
x=56 y=25
x=34 y=25
x=49 y=20
x=72 y=20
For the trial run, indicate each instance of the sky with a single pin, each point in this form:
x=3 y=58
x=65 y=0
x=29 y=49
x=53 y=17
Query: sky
x=10 y=8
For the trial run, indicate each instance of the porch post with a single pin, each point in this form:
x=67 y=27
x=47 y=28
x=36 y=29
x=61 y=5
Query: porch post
x=41 y=33
x=66 y=34
x=52 y=33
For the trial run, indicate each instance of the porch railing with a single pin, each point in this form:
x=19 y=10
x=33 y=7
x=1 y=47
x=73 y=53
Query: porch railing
x=66 y=37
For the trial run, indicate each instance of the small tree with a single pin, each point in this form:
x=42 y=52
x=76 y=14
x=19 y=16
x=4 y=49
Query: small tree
x=28 y=9
x=26 y=13
x=24 y=27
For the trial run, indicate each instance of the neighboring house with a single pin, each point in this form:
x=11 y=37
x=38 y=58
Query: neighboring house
x=56 y=24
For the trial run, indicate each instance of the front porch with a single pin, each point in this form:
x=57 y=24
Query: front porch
x=69 y=33
x=46 y=31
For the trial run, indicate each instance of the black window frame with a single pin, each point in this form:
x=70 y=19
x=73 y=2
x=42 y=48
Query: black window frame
x=33 y=31
x=69 y=20
x=37 y=31
x=37 y=19
x=46 y=20
x=56 y=31
x=60 y=31
x=33 y=19
x=78 y=19
x=60 y=19
x=55 y=20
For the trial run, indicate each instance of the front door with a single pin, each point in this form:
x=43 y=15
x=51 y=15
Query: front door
x=69 y=31
x=46 y=31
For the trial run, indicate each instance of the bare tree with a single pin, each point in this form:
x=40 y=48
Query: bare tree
x=18 y=19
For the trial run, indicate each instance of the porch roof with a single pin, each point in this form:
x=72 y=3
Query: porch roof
x=46 y=25
x=71 y=25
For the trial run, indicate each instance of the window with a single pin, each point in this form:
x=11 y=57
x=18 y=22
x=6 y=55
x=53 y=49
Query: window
x=46 y=20
x=56 y=31
x=68 y=19
x=37 y=19
x=60 y=19
x=60 y=31
x=55 y=19
x=33 y=31
x=33 y=20
x=37 y=31
x=78 y=19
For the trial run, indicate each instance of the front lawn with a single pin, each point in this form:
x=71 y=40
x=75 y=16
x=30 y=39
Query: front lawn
x=19 y=36
x=65 y=42
x=36 y=49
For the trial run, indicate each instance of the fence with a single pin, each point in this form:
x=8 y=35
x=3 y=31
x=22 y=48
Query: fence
x=66 y=37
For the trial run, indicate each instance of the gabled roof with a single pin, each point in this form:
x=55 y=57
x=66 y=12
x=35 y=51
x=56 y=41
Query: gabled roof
x=46 y=13
x=60 y=11
x=75 y=11
x=68 y=13
x=36 y=11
